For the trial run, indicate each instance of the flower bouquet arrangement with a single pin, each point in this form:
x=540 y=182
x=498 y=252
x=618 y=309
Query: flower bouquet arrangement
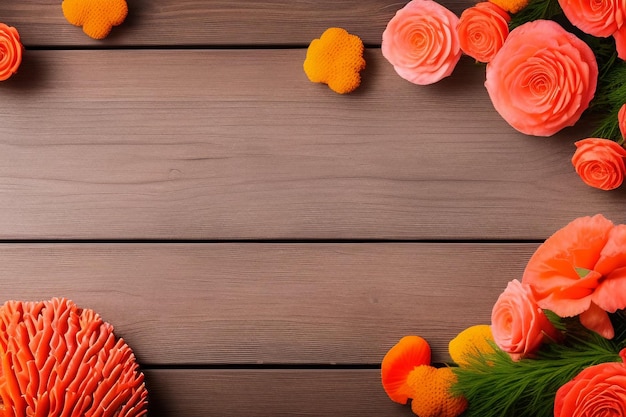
x=546 y=63
x=556 y=345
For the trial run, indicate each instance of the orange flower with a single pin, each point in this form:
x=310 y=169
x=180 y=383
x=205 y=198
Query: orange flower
x=97 y=17
x=474 y=340
x=59 y=360
x=336 y=59
x=511 y=6
x=621 y=120
x=598 y=390
x=542 y=79
x=421 y=42
x=600 y=162
x=482 y=30
x=11 y=51
x=581 y=270
x=597 y=18
x=431 y=393
x=518 y=325
x=409 y=353
x=620 y=42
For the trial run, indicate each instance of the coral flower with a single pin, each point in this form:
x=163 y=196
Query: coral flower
x=620 y=42
x=542 y=79
x=511 y=6
x=59 y=360
x=409 y=353
x=600 y=163
x=621 y=120
x=483 y=29
x=97 y=17
x=431 y=393
x=11 y=51
x=581 y=270
x=597 y=18
x=421 y=42
x=598 y=390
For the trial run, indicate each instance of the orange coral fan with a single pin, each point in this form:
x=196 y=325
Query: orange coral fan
x=97 y=17
x=336 y=59
x=400 y=360
x=431 y=393
x=472 y=341
x=59 y=360
x=11 y=51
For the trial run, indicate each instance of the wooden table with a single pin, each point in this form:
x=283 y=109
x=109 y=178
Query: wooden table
x=259 y=240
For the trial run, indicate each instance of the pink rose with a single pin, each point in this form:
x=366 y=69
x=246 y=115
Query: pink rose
x=518 y=325
x=421 y=42
x=542 y=79
x=600 y=163
x=597 y=18
x=483 y=29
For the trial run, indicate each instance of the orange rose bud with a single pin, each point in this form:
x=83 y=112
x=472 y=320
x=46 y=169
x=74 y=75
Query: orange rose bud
x=600 y=163
x=409 y=353
x=482 y=30
x=11 y=51
x=97 y=17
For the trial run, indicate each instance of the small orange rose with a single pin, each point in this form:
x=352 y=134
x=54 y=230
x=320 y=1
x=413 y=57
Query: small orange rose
x=483 y=29
x=11 y=51
x=598 y=390
x=421 y=42
x=600 y=162
x=597 y=18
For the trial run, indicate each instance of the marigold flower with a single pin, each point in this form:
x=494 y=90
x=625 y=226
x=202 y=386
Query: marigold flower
x=474 y=340
x=336 y=59
x=581 y=270
x=59 y=360
x=482 y=29
x=409 y=353
x=97 y=17
x=11 y=51
x=511 y=6
x=600 y=163
x=431 y=392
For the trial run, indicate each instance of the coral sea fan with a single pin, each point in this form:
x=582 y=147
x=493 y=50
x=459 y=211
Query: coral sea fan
x=60 y=360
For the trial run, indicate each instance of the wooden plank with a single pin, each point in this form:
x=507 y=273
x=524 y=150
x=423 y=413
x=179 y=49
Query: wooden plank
x=238 y=144
x=204 y=22
x=252 y=393
x=270 y=303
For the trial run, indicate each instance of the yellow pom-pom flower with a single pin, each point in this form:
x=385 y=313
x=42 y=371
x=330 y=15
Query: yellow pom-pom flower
x=97 y=17
x=471 y=341
x=336 y=59
x=511 y=6
x=431 y=392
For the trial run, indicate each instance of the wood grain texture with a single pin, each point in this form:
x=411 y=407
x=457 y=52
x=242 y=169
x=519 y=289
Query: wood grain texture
x=262 y=393
x=238 y=144
x=207 y=22
x=218 y=304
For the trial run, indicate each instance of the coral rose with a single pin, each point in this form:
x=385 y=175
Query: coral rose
x=620 y=42
x=483 y=29
x=600 y=163
x=597 y=18
x=10 y=51
x=598 y=390
x=621 y=120
x=542 y=79
x=581 y=270
x=421 y=42
x=518 y=324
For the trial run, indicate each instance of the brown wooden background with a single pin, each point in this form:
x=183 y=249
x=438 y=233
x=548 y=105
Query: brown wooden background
x=259 y=240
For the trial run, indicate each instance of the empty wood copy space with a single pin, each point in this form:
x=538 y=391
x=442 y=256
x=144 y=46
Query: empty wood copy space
x=258 y=240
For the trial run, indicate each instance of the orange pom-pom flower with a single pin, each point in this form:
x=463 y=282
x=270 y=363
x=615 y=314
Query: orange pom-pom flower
x=336 y=59
x=11 y=51
x=59 y=360
x=97 y=17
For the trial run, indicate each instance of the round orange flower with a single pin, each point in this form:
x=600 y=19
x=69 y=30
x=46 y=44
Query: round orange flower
x=542 y=79
x=11 y=51
x=400 y=360
x=483 y=29
x=59 y=360
x=421 y=42
x=600 y=163
x=597 y=18
x=598 y=390
x=581 y=270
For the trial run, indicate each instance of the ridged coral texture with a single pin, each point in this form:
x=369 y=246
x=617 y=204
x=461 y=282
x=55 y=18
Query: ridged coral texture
x=61 y=360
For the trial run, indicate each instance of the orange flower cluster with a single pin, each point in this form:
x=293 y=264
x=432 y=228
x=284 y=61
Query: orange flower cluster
x=59 y=360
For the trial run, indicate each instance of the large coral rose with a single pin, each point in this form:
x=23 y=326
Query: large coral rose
x=542 y=79
x=597 y=18
x=600 y=163
x=518 y=324
x=581 y=270
x=483 y=29
x=10 y=51
x=421 y=42
x=599 y=390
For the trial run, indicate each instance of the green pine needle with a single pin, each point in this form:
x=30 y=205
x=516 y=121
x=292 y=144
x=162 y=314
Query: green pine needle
x=536 y=9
